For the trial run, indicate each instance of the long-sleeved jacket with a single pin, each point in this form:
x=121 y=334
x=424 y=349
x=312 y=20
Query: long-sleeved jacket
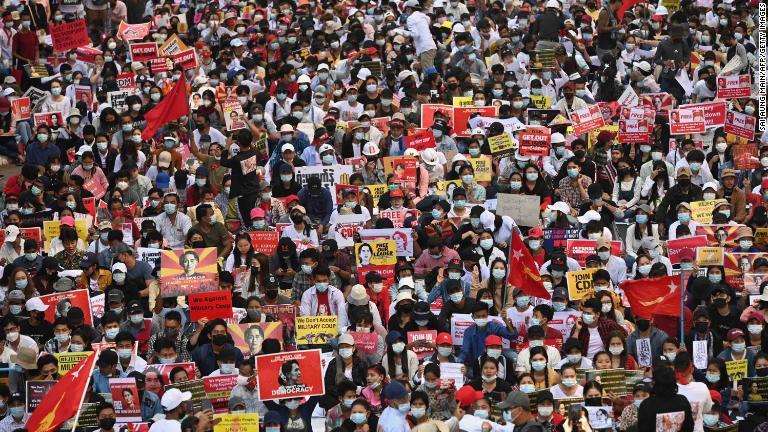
x=474 y=339
x=738 y=203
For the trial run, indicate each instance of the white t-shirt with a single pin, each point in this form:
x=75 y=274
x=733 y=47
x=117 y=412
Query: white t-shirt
x=698 y=395
x=595 y=342
x=558 y=393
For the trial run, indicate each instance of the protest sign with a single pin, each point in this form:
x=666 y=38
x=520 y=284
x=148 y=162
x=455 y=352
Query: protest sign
x=173 y=45
x=629 y=97
x=428 y=112
x=736 y=369
x=53 y=119
x=376 y=253
x=396 y=216
x=210 y=305
x=612 y=380
x=755 y=389
x=68 y=360
x=745 y=156
x=233 y=112
x=194 y=386
x=714 y=112
x=580 y=249
x=32 y=233
x=501 y=145
x=687 y=121
x=510 y=125
x=535 y=141
x=740 y=125
x=483 y=167
x=580 y=283
x=541 y=102
x=421 y=140
x=285 y=314
x=21 y=108
x=523 y=209
x=634 y=131
x=452 y=371
x=701 y=211
x=165 y=369
x=365 y=342
x=404 y=169
x=600 y=417
x=125 y=399
x=143 y=51
x=264 y=241
x=564 y=321
x=675 y=247
x=700 y=354
x=117 y=99
x=558 y=237
x=290 y=375
x=402 y=237
x=345 y=228
x=761 y=237
x=461 y=116
x=312 y=330
x=662 y=103
x=69 y=35
x=186 y=59
x=59 y=304
x=219 y=388
x=150 y=256
x=422 y=342
x=188 y=271
x=734 y=86
x=160 y=64
x=238 y=423
x=587 y=119
x=709 y=256
x=249 y=337
x=125 y=81
x=36 y=391
x=129 y=32
x=462 y=101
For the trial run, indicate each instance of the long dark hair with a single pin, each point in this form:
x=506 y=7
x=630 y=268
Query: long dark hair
x=543 y=351
x=664 y=383
x=623 y=355
x=391 y=362
x=239 y=260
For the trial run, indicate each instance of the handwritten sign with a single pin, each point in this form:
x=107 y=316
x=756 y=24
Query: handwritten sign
x=69 y=35
x=210 y=305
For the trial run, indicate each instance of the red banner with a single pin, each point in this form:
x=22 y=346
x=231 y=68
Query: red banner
x=687 y=121
x=744 y=156
x=461 y=116
x=404 y=169
x=423 y=342
x=186 y=59
x=535 y=141
x=365 y=342
x=210 y=305
x=677 y=246
x=60 y=304
x=264 y=241
x=741 y=125
x=421 y=140
x=69 y=35
x=126 y=81
x=581 y=249
x=290 y=375
x=714 y=112
x=131 y=32
x=218 y=389
x=32 y=233
x=428 y=114
x=734 y=86
x=143 y=51
x=587 y=119
x=21 y=108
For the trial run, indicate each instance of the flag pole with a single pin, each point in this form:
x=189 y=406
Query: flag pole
x=682 y=308
x=82 y=397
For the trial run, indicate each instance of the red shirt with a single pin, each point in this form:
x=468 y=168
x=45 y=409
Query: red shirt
x=323 y=308
x=14 y=186
x=25 y=44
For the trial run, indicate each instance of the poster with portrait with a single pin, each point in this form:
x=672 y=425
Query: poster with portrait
x=737 y=265
x=724 y=236
x=125 y=398
x=599 y=417
x=60 y=304
x=285 y=314
x=662 y=103
x=249 y=337
x=188 y=271
x=402 y=237
x=376 y=253
x=165 y=370
x=51 y=119
x=345 y=228
x=290 y=375
x=404 y=169
x=233 y=111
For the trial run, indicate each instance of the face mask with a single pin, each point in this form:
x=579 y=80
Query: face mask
x=16 y=309
x=62 y=338
x=569 y=382
x=522 y=301
x=486 y=244
x=480 y=102
x=539 y=365
x=346 y=353
x=12 y=207
x=547 y=286
x=534 y=244
x=481 y=322
x=644 y=269
x=444 y=351
x=745 y=244
x=124 y=353
x=499 y=273
x=18 y=412
x=78 y=348
x=292 y=405
x=557 y=274
x=573 y=172
x=755 y=329
x=358 y=418
x=321 y=287
x=459 y=204
x=738 y=347
x=684 y=217
x=12 y=336
x=456 y=297
x=111 y=333
x=588 y=318
x=604 y=255
x=118 y=278
x=42 y=137
x=169 y=208
x=200 y=182
x=398 y=347
x=670 y=355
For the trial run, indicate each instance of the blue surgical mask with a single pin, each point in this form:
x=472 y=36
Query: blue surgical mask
x=715 y=277
x=641 y=218
x=523 y=301
x=169 y=208
x=573 y=172
x=436 y=213
x=358 y=418
x=321 y=287
x=498 y=273
x=459 y=204
x=683 y=217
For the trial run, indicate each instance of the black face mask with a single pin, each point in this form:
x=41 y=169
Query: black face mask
x=406 y=308
x=579 y=153
x=643 y=324
x=684 y=182
x=719 y=302
x=107 y=423
x=762 y=372
x=219 y=339
x=593 y=401
x=198 y=244
x=701 y=327
x=271 y=294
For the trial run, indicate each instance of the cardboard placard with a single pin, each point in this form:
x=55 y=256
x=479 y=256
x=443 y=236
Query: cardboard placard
x=238 y=423
x=709 y=256
x=376 y=253
x=194 y=386
x=535 y=141
x=219 y=388
x=290 y=375
x=745 y=156
x=59 y=304
x=634 y=131
x=580 y=284
x=125 y=398
x=587 y=119
x=523 y=209
x=143 y=51
x=501 y=145
x=422 y=342
x=483 y=167
x=249 y=337
x=129 y=32
x=36 y=391
x=714 y=112
x=264 y=241
x=421 y=140
x=687 y=121
x=311 y=330
x=21 y=108
x=402 y=237
x=210 y=305
x=187 y=59
x=701 y=211
x=462 y=115
x=68 y=360
x=736 y=369
x=580 y=249
x=740 y=125
x=677 y=246
x=69 y=35
x=188 y=271
x=365 y=342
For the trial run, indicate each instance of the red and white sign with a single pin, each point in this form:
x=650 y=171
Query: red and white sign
x=69 y=35
x=428 y=114
x=290 y=375
x=126 y=81
x=159 y=64
x=210 y=305
x=423 y=342
x=60 y=303
x=131 y=32
x=587 y=119
x=676 y=247
x=634 y=131
x=687 y=121
x=535 y=141
x=87 y=54
x=264 y=241
x=580 y=249
x=734 y=86
x=21 y=108
x=714 y=112
x=421 y=140
x=741 y=125
x=186 y=59
x=461 y=117
x=143 y=51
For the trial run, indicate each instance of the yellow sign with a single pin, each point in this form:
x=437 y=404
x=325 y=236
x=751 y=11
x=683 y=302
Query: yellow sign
x=376 y=253
x=709 y=256
x=444 y=186
x=541 y=102
x=580 y=283
x=736 y=369
x=237 y=423
x=761 y=236
x=312 y=330
x=376 y=191
x=173 y=45
x=51 y=229
x=483 y=168
x=592 y=135
x=701 y=211
x=462 y=101
x=501 y=145
x=68 y=360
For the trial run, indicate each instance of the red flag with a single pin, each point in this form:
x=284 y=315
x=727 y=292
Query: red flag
x=657 y=296
x=625 y=6
x=63 y=401
x=173 y=106
x=523 y=272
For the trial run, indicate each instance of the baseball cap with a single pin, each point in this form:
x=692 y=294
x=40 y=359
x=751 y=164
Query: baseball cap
x=35 y=304
x=733 y=334
x=393 y=390
x=444 y=338
x=514 y=400
x=11 y=232
x=174 y=397
x=467 y=395
x=492 y=340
